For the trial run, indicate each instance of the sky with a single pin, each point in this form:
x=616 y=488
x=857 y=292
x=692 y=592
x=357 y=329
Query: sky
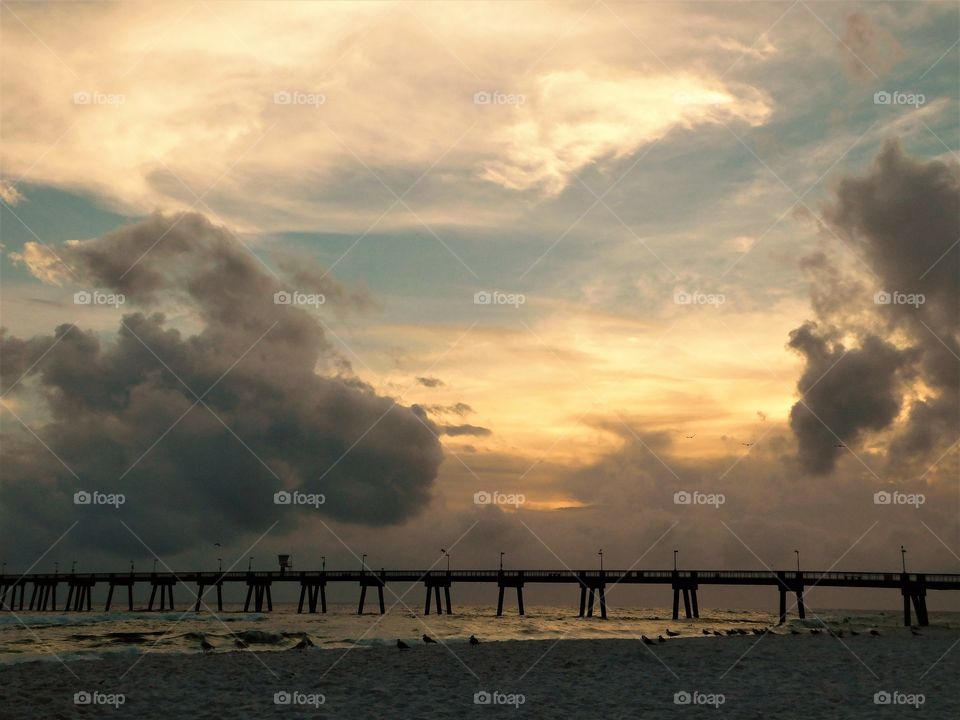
x=520 y=277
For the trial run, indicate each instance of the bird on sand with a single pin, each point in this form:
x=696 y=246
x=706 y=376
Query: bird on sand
x=854 y=632
x=429 y=640
x=814 y=632
x=473 y=640
x=646 y=640
x=794 y=632
x=706 y=632
x=671 y=633
x=914 y=632
x=205 y=646
x=875 y=633
x=401 y=645
x=718 y=633
x=304 y=643
x=661 y=638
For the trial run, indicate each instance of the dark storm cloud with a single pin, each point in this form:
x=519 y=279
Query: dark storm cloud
x=903 y=219
x=430 y=382
x=459 y=430
x=123 y=414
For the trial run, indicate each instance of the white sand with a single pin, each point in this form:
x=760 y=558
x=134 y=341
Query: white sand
x=781 y=677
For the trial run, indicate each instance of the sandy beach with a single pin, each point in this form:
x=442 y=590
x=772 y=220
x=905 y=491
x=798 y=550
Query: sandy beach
x=775 y=676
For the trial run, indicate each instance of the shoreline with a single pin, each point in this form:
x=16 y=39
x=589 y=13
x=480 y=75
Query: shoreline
x=772 y=676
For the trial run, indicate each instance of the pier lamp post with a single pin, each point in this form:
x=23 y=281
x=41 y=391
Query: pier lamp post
x=501 y=561
x=4 y=570
x=323 y=563
x=363 y=564
x=155 y=566
x=675 y=560
x=601 y=559
x=220 y=565
x=56 y=568
x=448 y=559
x=250 y=564
x=73 y=567
x=903 y=558
x=131 y=567
x=797 y=552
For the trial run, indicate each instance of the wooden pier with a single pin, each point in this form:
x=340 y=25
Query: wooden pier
x=592 y=584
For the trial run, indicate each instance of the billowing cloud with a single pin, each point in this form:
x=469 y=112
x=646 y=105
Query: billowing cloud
x=199 y=431
x=466 y=429
x=903 y=219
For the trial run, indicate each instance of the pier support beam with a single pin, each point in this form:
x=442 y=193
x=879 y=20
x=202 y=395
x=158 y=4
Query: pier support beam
x=503 y=581
x=914 y=591
x=377 y=581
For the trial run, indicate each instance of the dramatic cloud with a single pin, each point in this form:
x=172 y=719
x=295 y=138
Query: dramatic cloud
x=457 y=430
x=199 y=431
x=903 y=219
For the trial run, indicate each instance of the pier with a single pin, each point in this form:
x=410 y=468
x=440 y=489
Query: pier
x=593 y=585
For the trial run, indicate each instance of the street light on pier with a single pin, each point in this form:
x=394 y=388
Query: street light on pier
x=601 y=559
x=363 y=564
x=797 y=552
x=903 y=558
x=448 y=559
x=250 y=564
x=675 y=560
x=501 y=561
x=56 y=567
x=323 y=563
x=73 y=567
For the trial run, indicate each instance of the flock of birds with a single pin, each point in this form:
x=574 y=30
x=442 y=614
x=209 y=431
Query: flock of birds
x=306 y=642
x=427 y=640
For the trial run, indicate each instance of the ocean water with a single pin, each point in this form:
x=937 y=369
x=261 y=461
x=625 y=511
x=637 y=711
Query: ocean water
x=91 y=635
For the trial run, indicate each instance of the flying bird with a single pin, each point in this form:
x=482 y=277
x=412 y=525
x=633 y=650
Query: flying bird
x=690 y=437
x=401 y=645
x=750 y=444
x=428 y=640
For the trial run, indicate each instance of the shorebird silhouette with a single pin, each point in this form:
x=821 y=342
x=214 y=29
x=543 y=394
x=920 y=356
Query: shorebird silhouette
x=718 y=633
x=854 y=632
x=875 y=633
x=401 y=645
x=473 y=640
x=814 y=632
x=690 y=437
x=671 y=633
x=646 y=640
x=429 y=640
x=706 y=632
x=914 y=632
x=205 y=646
x=304 y=643
x=747 y=444
x=661 y=638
